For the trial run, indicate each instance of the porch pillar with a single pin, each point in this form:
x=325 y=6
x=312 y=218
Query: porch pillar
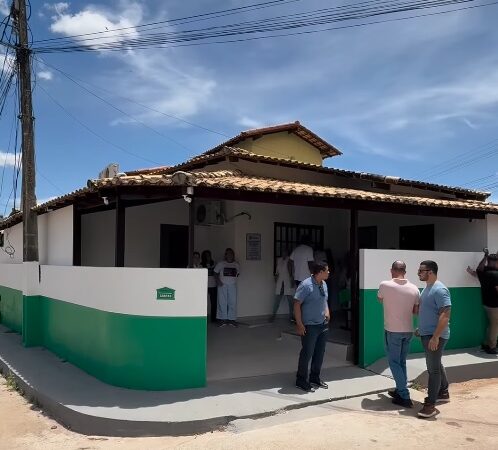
x=191 y=229
x=119 y=249
x=355 y=290
x=76 y=236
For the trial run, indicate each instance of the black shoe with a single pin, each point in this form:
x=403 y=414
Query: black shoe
x=443 y=397
x=491 y=351
x=485 y=347
x=222 y=323
x=393 y=393
x=319 y=384
x=305 y=386
x=404 y=402
x=233 y=323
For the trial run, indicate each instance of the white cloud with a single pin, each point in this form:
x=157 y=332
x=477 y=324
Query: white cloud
x=58 y=8
x=45 y=75
x=249 y=123
x=8 y=159
x=171 y=85
x=4 y=7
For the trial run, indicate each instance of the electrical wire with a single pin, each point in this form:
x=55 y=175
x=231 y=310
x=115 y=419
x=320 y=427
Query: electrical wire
x=86 y=127
x=269 y=25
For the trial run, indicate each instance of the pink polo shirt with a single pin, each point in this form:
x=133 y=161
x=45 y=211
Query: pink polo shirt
x=398 y=296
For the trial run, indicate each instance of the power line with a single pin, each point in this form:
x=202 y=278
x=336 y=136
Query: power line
x=190 y=37
x=190 y=19
x=107 y=141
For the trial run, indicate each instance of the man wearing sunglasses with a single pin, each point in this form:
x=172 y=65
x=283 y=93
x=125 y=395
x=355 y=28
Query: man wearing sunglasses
x=434 y=331
x=312 y=317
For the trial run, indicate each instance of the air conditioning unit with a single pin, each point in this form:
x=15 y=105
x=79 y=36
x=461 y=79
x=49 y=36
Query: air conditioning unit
x=209 y=212
x=110 y=171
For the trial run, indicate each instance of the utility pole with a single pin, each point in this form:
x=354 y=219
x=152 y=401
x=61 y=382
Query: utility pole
x=30 y=220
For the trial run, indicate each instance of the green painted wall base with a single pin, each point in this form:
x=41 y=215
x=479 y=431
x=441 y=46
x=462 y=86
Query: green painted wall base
x=11 y=308
x=468 y=323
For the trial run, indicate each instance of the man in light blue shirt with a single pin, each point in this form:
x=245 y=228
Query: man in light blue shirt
x=312 y=317
x=434 y=330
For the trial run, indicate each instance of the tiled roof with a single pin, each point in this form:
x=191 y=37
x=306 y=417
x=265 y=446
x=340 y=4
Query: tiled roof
x=234 y=152
x=236 y=180
x=326 y=149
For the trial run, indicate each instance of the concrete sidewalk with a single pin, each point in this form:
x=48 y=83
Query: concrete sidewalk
x=89 y=406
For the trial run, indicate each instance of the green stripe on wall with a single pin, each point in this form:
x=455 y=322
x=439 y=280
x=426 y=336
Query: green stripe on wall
x=136 y=352
x=11 y=306
x=467 y=325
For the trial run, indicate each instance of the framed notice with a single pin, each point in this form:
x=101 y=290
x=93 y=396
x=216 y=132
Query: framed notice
x=253 y=246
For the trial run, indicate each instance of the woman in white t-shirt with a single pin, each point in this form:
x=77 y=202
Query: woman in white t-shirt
x=226 y=273
x=208 y=263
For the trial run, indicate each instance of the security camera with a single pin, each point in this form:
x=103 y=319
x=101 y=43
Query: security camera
x=187 y=198
x=105 y=200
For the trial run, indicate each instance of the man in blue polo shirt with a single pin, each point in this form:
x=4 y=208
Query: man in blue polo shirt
x=433 y=329
x=312 y=317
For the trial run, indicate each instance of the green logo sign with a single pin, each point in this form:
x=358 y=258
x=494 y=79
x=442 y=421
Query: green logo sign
x=165 y=293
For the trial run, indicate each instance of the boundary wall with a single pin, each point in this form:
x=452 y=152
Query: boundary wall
x=468 y=322
x=109 y=321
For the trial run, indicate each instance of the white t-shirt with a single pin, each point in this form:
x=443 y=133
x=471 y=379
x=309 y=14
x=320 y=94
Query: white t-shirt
x=301 y=255
x=228 y=271
x=398 y=296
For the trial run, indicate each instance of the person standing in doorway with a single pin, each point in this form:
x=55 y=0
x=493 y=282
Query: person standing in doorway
x=226 y=273
x=208 y=263
x=434 y=331
x=284 y=286
x=400 y=299
x=301 y=260
x=312 y=318
x=487 y=272
x=196 y=261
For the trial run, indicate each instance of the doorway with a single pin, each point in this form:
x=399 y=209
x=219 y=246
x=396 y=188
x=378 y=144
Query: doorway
x=416 y=237
x=174 y=246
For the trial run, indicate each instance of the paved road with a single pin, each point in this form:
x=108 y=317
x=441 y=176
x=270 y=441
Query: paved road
x=469 y=421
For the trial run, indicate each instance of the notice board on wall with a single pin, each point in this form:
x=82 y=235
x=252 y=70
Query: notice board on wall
x=253 y=246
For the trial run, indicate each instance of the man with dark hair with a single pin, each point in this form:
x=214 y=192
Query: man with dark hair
x=312 y=317
x=433 y=322
x=487 y=272
x=400 y=299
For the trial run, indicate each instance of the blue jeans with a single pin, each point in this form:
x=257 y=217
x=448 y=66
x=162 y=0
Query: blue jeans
x=437 y=373
x=227 y=302
x=397 y=345
x=313 y=348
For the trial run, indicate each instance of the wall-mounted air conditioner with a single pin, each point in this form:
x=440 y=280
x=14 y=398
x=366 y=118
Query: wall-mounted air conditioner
x=209 y=212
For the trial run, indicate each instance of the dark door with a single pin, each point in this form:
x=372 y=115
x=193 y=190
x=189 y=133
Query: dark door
x=174 y=246
x=367 y=237
x=416 y=237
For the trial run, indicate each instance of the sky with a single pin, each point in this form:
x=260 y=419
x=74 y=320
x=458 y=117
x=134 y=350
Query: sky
x=413 y=98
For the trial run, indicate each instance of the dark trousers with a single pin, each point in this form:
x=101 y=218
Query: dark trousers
x=213 y=301
x=435 y=369
x=313 y=348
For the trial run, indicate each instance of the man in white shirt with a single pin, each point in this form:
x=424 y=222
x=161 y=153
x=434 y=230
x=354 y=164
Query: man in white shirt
x=301 y=260
x=401 y=300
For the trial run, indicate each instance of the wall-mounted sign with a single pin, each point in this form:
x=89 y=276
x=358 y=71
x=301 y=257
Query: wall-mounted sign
x=165 y=293
x=253 y=246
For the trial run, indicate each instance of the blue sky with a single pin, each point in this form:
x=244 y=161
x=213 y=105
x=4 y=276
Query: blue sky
x=401 y=98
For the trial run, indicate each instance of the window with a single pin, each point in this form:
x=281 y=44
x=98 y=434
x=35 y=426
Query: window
x=288 y=235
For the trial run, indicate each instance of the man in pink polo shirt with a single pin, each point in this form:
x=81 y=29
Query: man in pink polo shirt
x=401 y=300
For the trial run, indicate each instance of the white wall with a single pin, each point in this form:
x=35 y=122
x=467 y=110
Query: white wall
x=449 y=233
x=59 y=245
x=492 y=233
x=12 y=276
x=98 y=231
x=13 y=237
x=127 y=290
x=375 y=266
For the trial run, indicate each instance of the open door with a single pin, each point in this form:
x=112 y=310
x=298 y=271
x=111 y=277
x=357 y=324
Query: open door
x=174 y=246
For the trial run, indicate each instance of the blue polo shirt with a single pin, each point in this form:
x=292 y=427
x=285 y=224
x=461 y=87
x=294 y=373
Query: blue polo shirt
x=433 y=298
x=313 y=301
